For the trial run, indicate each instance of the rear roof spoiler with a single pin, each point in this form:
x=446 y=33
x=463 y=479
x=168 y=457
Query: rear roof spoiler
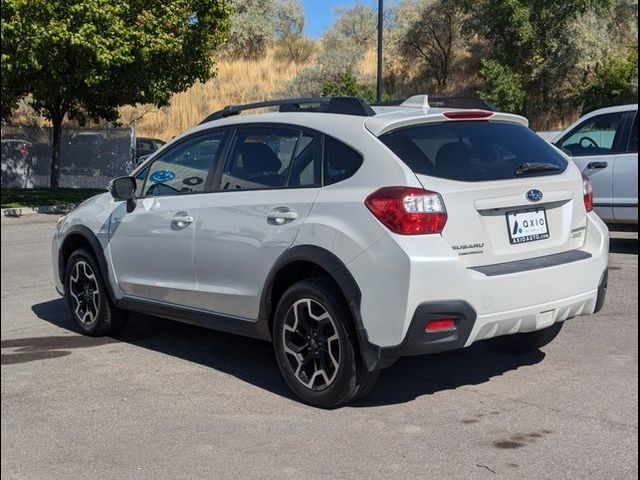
x=424 y=102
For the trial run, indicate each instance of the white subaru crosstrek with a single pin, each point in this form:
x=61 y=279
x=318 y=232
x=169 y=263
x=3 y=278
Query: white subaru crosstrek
x=348 y=236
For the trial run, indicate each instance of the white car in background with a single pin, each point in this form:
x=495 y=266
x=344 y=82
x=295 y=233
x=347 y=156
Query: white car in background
x=604 y=145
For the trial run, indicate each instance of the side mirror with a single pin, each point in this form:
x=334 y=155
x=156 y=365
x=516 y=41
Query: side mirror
x=124 y=188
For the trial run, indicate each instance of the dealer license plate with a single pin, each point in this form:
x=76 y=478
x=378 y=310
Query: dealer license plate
x=527 y=225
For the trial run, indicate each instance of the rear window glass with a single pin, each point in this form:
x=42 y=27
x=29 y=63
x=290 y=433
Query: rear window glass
x=472 y=151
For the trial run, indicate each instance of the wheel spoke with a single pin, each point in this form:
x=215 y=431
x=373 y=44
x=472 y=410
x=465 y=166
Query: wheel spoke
x=84 y=293
x=311 y=342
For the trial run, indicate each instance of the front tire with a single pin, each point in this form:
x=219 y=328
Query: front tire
x=315 y=345
x=525 y=342
x=87 y=296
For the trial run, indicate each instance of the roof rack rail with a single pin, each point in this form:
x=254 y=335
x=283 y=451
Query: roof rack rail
x=342 y=105
x=448 y=102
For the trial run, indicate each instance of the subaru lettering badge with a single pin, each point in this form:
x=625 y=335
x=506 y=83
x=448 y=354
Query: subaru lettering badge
x=534 y=195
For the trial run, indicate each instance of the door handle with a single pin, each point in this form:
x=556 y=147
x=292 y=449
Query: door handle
x=182 y=221
x=597 y=165
x=281 y=215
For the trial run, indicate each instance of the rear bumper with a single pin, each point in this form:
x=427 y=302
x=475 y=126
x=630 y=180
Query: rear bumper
x=490 y=303
x=418 y=342
x=471 y=328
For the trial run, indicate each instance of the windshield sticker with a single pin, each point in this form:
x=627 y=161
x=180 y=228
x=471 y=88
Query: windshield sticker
x=162 y=176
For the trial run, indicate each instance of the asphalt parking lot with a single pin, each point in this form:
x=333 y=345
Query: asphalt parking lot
x=166 y=400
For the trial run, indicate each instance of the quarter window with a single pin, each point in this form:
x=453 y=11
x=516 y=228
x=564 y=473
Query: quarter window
x=340 y=161
x=185 y=168
x=595 y=136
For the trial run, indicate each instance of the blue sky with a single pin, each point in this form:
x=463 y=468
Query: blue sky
x=320 y=13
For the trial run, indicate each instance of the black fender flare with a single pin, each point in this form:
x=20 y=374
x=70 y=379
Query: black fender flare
x=370 y=354
x=93 y=241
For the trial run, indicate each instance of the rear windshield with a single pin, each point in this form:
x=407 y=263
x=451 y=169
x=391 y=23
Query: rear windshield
x=473 y=151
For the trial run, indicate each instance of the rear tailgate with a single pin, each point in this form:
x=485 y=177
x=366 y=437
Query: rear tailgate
x=479 y=230
x=509 y=195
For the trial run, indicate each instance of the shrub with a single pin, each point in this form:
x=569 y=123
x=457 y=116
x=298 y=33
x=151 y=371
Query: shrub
x=616 y=83
x=503 y=87
x=347 y=85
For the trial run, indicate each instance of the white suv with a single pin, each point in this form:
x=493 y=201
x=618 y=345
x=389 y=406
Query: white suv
x=348 y=236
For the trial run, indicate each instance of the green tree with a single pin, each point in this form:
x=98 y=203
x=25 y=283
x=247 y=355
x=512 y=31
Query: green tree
x=435 y=38
x=289 y=25
x=534 y=40
x=616 y=83
x=252 y=27
x=289 y=18
x=503 y=87
x=82 y=59
x=359 y=23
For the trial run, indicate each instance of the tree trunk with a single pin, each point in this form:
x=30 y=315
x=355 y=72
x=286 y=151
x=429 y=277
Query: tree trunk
x=56 y=120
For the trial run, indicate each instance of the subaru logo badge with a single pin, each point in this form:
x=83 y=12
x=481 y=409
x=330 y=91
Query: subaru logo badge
x=534 y=195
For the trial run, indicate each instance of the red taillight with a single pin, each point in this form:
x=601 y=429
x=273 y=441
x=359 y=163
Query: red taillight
x=440 y=325
x=468 y=115
x=407 y=210
x=587 y=193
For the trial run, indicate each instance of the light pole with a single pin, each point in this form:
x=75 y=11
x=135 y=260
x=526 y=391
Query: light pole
x=379 y=81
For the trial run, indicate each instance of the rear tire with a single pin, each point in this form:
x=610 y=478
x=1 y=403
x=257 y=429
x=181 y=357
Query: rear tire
x=525 y=342
x=87 y=297
x=316 y=347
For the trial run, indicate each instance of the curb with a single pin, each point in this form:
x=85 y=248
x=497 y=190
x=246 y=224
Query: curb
x=50 y=209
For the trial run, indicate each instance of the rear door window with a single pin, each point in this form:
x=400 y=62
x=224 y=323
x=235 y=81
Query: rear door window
x=473 y=151
x=259 y=158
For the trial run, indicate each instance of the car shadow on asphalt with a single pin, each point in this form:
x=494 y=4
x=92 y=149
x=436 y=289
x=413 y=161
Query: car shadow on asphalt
x=252 y=360
x=627 y=246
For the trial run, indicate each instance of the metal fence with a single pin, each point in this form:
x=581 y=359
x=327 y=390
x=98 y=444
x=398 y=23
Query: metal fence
x=90 y=157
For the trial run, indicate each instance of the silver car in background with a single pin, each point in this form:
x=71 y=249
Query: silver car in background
x=604 y=145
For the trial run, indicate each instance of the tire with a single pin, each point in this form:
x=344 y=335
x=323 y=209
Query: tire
x=87 y=297
x=525 y=342
x=316 y=348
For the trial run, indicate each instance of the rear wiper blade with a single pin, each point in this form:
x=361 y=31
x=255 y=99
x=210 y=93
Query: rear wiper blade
x=527 y=168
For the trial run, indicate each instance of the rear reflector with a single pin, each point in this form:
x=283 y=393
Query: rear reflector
x=408 y=210
x=440 y=325
x=468 y=115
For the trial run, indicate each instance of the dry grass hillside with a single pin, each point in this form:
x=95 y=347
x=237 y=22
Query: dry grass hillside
x=237 y=81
